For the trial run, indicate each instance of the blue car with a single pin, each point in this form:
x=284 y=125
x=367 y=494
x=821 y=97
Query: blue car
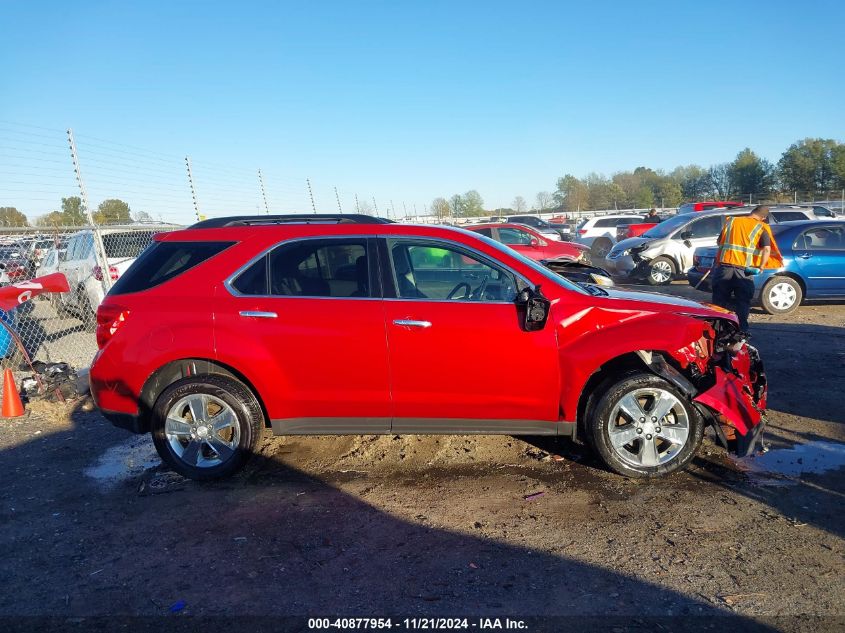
x=814 y=266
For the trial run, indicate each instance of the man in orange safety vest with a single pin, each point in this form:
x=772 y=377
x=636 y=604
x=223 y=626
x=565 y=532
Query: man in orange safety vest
x=746 y=246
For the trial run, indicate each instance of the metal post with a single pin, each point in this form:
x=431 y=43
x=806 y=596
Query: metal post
x=311 y=194
x=263 y=192
x=357 y=206
x=193 y=188
x=99 y=247
x=375 y=206
x=337 y=197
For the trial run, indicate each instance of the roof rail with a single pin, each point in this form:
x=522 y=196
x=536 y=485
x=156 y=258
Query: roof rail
x=292 y=218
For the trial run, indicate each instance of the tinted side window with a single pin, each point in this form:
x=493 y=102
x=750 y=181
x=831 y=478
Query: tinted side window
x=788 y=216
x=425 y=271
x=87 y=246
x=710 y=226
x=321 y=268
x=253 y=281
x=164 y=261
x=825 y=238
x=127 y=245
x=514 y=236
x=604 y=223
x=485 y=232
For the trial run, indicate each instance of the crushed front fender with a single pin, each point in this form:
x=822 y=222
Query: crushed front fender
x=738 y=396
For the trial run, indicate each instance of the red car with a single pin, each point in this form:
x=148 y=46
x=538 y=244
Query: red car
x=691 y=207
x=525 y=240
x=335 y=325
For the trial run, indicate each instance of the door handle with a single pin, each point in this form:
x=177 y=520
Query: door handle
x=805 y=255
x=412 y=323
x=258 y=314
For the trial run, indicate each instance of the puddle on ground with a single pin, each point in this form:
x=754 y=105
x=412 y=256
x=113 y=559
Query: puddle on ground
x=811 y=458
x=124 y=461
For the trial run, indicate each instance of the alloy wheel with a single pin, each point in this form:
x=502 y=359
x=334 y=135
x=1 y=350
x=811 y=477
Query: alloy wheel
x=202 y=430
x=648 y=427
x=661 y=271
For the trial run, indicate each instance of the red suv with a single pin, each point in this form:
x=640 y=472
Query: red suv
x=335 y=325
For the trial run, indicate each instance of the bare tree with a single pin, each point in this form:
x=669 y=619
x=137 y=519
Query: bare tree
x=519 y=205
x=545 y=200
x=440 y=208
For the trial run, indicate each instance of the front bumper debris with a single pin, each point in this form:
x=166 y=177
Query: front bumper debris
x=738 y=396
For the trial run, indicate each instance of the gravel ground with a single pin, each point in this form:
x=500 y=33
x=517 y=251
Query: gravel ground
x=92 y=525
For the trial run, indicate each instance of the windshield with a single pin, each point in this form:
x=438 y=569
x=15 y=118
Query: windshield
x=669 y=226
x=548 y=274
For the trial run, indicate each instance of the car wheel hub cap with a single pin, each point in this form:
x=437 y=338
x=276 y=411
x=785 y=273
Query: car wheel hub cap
x=782 y=296
x=661 y=271
x=202 y=430
x=648 y=427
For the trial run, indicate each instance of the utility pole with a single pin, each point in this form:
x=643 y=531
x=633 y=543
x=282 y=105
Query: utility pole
x=311 y=195
x=375 y=205
x=357 y=206
x=337 y=197
x=100 y=248
x=263 y=192
x=193 y=189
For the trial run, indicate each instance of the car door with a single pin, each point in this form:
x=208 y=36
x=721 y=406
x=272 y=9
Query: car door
x=522 y=242
x=460 y=360
x=702 y=232
x=310 y=317
x=819 y=253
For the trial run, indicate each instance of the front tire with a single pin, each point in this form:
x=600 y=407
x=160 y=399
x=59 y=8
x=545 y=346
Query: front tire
x=642 y=426
x=661 y=270
x=781 y=295
x=206 y=427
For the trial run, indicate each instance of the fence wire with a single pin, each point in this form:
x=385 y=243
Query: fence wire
x=60 y=326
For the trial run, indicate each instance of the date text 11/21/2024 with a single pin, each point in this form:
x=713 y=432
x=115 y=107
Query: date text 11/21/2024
x=433 y=624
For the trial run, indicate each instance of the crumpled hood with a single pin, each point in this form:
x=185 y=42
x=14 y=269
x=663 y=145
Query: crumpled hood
x=631 y=242
x=658 y=302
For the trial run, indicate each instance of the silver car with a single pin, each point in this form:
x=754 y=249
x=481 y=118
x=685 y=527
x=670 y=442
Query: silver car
x=665 y=251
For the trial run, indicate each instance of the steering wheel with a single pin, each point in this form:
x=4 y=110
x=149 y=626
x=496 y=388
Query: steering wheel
x=478 y=293
x=467 y=290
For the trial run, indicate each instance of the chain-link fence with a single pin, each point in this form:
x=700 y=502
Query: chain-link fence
x=60 y=326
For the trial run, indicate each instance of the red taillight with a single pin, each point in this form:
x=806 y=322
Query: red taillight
x=109 y=320
x=113 y=273
x=582 y=231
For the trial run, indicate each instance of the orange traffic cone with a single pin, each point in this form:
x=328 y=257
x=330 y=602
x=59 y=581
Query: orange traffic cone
x=12 y=405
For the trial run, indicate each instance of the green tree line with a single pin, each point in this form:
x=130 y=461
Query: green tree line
x=807 y=166
x=111 y=211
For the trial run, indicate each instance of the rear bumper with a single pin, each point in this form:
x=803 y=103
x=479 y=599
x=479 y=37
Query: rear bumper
x=126 y=421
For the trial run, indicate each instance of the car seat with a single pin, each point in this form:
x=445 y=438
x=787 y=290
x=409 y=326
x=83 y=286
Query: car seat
x=405 y=274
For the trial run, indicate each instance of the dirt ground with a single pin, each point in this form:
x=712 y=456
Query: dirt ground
x=92 y=525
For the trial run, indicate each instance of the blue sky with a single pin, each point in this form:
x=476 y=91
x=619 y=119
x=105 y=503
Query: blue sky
x=406 y=101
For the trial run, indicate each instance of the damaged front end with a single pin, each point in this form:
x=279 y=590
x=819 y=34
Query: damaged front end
x=725 y=378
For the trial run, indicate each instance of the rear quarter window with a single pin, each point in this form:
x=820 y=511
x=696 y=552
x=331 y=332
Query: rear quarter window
x=162 y=262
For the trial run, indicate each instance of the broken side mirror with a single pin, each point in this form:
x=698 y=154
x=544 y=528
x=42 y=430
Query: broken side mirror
x=537 y=308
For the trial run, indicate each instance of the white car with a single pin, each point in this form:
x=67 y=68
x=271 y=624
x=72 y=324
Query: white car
x=599 y=233
x=85 y=275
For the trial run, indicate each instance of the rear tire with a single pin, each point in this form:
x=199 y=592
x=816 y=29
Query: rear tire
x=781 y=295
x=633 y=442
x=228 y=425
x=601 y=247
x=661 y=270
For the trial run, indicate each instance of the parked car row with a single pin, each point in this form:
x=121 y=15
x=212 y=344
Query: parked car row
x=814 y=266
x=665 y=251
